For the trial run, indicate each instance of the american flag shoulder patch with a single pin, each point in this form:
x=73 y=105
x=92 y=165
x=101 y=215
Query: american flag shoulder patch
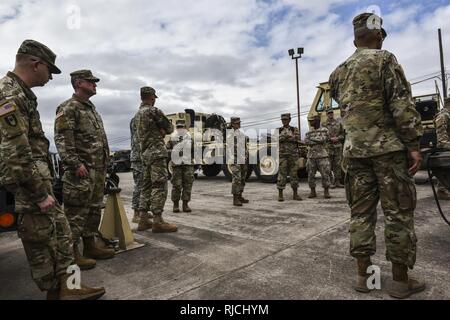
x=60 y=114
x=7 y=108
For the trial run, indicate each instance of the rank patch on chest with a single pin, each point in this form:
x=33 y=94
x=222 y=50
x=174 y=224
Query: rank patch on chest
x=7 y=108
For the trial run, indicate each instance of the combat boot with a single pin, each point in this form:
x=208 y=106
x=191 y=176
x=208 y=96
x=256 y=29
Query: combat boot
x=280 y=195
x=176 y=207
x=136 y=216
x=443 y=194
x=296 y=196
x=84 y=293
x=186 y=207
x=326 y=193
x=94 y=251
x=242 y=199
x=144 y=223
x=313 y=194
x=404 y=286
x=236 y=201
x=160 y=226
x=363 y=264
x=83 y=262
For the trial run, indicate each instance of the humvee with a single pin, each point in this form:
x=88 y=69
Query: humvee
x=266 y=168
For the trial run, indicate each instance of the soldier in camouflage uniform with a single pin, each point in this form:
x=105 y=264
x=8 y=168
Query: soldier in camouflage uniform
x=137 y=169
x=152 y=127
x=383 y=130
x=289 y=143
x=337 y=136
x=442 y=123
x=238 y=160
x=25 y=172
x=318 y=158
x=180 y=144
x=82 y=145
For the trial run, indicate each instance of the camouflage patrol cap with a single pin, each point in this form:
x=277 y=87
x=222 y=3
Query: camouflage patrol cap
x=40 y=50
x=84 y=75
x=368 y=21
x=314 y=117
x=235 y=120
x=286 y=116
x=330 y=110
x=148 y=90
x=181 y=123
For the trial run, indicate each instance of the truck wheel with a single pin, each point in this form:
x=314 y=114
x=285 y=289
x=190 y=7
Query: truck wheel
x=267 y=169
x=211 y=170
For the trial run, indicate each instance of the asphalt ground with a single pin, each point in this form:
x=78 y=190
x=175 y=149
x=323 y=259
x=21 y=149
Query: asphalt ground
x=264 y=250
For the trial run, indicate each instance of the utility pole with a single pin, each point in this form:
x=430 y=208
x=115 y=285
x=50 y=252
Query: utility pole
x=295 y=57
x=443 y=74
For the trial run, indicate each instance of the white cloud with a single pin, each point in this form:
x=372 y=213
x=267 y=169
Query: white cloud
x=205 y=54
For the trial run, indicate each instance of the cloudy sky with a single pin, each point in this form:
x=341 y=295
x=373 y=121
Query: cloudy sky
x=223 y=56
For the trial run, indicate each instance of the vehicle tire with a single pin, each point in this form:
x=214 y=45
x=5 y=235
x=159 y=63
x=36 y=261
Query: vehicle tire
x=211 y=170
x=267 y=169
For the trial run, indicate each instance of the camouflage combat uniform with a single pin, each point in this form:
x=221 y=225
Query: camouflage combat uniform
x=289 y=142
x=149 y=121
x=336 y=130
x=238 y=160
x=183 y=168
x=25 y=171
x=81 y=139
x=136 y=165
x=318 y=157
x=381 y=123
x=442 y=123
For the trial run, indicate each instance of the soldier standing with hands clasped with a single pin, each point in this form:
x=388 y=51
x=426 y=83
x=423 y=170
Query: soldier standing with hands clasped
x=181 y=144
x=238 y=163
x=83 y=147
x=337 y=136
x=289 y=144
x=381 y=148
x=317 y=139
x=152 y=127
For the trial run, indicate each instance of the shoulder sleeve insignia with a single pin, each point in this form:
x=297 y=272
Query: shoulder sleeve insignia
x=7 y=108
x=59 y=114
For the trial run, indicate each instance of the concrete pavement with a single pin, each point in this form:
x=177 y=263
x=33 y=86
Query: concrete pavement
x=265 y=250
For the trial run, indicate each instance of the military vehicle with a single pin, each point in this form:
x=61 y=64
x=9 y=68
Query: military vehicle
x=121 y=160
x=427 y=105
x=263 y=150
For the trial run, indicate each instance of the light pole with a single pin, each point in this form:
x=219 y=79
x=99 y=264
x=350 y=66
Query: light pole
x=296 y=56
